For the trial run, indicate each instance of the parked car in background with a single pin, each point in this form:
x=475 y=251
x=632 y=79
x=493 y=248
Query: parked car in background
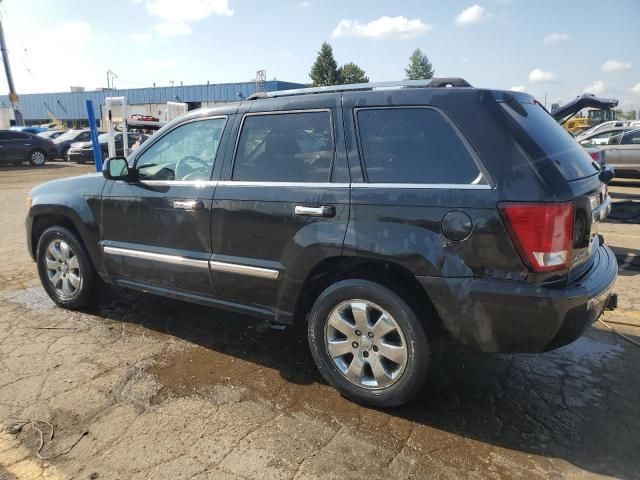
x=51 y=134
x=17 y=147
x=385 y=221
x=607 y=126
x=619 y=147
x=82 y=152
x=64 y=141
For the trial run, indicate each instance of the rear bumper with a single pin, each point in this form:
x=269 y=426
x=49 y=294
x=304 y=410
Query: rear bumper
x=504 y=316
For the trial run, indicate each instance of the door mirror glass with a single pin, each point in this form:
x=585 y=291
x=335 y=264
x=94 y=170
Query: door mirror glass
x=116 y=168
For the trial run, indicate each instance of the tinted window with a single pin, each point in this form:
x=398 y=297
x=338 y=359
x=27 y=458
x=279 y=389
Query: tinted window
x=8 y=135
x=631 y=137
x=554 y=141
x=84 y=136
x=287 y=147
x=413 y=145
x=185 y=153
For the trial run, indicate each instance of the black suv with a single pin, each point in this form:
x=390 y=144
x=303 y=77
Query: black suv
x=385 y=217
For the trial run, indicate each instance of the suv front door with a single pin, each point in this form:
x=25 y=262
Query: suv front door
x=282 y=207
x=156 y=229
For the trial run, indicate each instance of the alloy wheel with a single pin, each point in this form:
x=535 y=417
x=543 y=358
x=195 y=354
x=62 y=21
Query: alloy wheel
x=366 y=344
x=63 y=269
x=38 y=158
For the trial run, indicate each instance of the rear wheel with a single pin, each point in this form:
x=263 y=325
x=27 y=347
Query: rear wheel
x=368 y=343
x=66 y=271
x=37 y=158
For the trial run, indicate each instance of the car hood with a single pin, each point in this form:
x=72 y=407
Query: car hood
x=55 y=190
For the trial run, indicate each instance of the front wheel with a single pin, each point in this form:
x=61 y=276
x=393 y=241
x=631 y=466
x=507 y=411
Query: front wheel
x=368 y=343
x=66 y=271
x=37 y=158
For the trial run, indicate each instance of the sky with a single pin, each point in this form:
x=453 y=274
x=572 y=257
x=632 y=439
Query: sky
x=551 y=49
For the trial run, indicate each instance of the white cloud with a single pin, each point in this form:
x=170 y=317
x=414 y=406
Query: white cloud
x=636 y=89
x=539 y=76
x=518 y=88
x=471 y=15
x=304 y=4
x=169 y=29
x=176 y=15
x=187 y=10
x=596 y=88
x=159 y=64
x=383 y=27
x=556 y=38
x=615 y=66
x=464 y=61
x=140 y=39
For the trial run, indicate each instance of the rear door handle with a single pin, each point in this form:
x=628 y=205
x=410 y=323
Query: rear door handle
x=322 y=211
x=188 y=204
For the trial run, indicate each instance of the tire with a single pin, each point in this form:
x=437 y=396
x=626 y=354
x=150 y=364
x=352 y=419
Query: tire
x=63 y=154
x=78 y=283
x=37 y=158
x=398 y=381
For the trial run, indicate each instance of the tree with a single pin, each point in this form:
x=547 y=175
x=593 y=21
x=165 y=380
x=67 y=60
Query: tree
x=420 y=67
x=352 y=73
x=325 y=69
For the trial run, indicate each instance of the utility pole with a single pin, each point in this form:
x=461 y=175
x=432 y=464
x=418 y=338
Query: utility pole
x=13 y=96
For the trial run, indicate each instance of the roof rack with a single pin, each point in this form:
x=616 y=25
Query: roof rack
x=432 y=83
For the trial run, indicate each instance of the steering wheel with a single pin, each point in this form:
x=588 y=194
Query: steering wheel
x=182 y=164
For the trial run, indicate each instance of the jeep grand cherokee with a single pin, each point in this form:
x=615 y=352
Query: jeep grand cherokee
x=386 y=217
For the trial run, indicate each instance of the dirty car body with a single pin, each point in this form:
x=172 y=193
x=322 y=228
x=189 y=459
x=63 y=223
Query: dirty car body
x=427 y=193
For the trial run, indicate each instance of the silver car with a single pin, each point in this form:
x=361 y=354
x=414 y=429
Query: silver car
x=620 y=148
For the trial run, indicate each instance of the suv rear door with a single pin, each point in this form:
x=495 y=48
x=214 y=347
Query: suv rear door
x=282 y=205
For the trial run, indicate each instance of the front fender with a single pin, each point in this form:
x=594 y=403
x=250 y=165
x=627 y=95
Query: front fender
x=75 y=199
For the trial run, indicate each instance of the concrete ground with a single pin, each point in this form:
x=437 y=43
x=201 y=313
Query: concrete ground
x=154 y=388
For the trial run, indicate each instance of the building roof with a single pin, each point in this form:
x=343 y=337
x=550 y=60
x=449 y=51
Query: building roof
x=72 y=105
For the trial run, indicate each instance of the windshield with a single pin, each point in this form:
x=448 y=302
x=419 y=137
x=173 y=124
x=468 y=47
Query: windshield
x=104 y=137
x=555 y=142
x=68 y=135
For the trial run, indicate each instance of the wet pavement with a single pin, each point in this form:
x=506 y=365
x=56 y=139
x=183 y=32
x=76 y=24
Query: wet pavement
x=170 y=390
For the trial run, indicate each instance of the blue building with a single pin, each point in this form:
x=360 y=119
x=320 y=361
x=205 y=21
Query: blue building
x=70 y=107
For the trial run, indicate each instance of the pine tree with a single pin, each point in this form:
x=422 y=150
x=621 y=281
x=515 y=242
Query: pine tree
x=352 y=73
x=420 y=67
x=325 y=69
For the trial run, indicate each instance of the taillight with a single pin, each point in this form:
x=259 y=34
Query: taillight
x=595 y=155
x=542 y=233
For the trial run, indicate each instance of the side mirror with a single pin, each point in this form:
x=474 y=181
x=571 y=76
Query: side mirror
x=116 y=168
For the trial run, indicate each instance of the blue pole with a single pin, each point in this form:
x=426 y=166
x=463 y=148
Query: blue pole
x=97 y=153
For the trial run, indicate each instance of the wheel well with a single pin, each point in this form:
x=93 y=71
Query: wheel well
x=42 y=222
x=391 y=275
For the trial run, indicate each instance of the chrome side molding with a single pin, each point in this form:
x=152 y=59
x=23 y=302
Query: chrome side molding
x=226 y=267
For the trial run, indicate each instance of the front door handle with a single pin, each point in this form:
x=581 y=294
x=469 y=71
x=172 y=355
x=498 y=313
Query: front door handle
x=188 y=204
x=322 y=211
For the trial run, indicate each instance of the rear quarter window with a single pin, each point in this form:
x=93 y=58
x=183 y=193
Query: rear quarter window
x=413 y=145
x=552 y=140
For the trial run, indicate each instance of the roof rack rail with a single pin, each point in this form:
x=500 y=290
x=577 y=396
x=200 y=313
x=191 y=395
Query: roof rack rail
x=432 y=83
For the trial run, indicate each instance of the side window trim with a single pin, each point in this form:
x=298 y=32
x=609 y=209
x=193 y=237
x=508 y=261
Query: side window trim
x=148 y=144
x=231 y=181
x=475 y=185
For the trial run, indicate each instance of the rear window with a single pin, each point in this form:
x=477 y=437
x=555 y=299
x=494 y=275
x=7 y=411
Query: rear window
x=413 y=145
x=555 y=142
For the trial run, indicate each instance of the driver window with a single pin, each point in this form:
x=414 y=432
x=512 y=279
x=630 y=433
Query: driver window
x=185 y=153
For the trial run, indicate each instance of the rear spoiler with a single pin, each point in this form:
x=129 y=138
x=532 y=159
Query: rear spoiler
x=584 y=101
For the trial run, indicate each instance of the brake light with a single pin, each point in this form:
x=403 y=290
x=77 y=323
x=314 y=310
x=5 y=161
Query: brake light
x=542 y=233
